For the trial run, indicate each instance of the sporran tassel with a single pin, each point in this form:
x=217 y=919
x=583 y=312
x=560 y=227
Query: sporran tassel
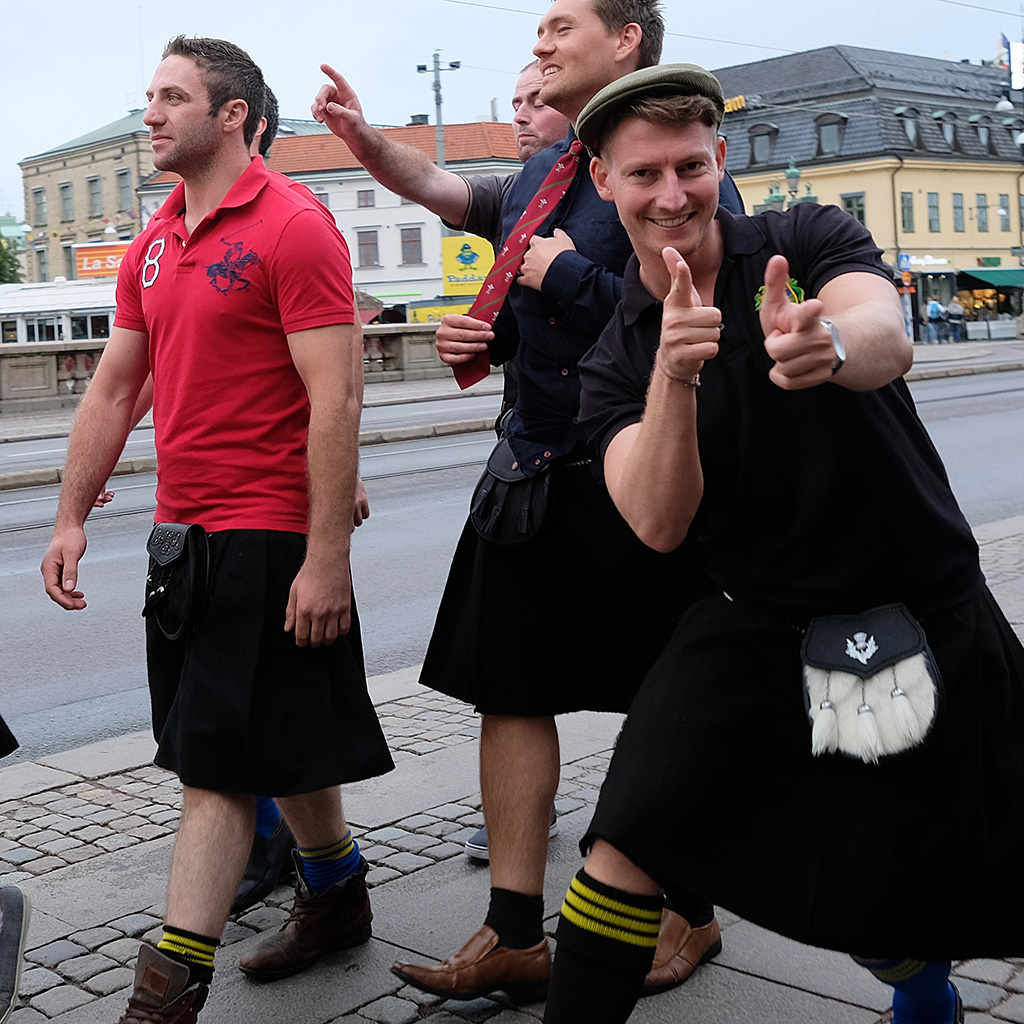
x=867 y=741
x=825 y=731
x=904 y=718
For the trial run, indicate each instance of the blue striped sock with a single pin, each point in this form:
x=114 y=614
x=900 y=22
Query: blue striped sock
x=324 y=866
x=922 y=994
x=267 y=816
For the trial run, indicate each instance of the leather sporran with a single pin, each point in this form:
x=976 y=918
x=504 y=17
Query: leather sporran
x=871 y=684
x=508 y=507
x=176 y=585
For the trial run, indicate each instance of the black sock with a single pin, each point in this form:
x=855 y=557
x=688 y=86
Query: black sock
x=605 y=946
x=191 y=949
x=695 y=910
x=517 y=918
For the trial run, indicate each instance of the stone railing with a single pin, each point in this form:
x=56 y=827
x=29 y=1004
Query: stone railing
x=51 y=375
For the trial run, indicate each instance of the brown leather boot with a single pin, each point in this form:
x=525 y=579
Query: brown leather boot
x=681 y=950
x=482 y=966
x=162 y=994
x=338 y=918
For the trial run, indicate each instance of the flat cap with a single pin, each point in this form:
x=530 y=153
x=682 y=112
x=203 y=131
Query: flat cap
x=660 y=80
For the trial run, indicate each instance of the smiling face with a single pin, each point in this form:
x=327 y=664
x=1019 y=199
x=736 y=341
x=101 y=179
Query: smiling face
x=579 y=56
x=184 y=135
x=664 y=182
x=536 y=125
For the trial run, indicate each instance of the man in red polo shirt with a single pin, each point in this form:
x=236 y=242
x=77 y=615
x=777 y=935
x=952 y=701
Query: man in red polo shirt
x=238 y=298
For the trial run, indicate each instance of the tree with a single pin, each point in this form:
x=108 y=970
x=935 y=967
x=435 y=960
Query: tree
x=10 y=268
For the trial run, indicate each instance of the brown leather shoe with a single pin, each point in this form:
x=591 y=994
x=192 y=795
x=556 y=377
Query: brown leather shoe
x=162 y=994
x=681 y=950
x=338 y=918
x=481 y=967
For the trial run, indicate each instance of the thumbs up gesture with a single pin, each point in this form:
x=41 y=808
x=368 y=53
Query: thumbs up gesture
x=689 y=329
x=794 y=335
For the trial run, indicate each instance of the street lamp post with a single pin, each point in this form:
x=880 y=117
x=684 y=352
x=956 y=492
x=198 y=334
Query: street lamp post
x=439 y=125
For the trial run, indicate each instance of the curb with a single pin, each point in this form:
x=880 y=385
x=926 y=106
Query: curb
x=128 y=467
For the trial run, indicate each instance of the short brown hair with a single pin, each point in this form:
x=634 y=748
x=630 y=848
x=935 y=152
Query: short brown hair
x=667 y=111
x=617 y=14
x=229 y=73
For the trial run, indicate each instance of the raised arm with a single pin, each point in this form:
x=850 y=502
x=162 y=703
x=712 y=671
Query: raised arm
x=101 y=427
x=652 y=468
x=398 y=167
x=866 y=309
x=319 y=603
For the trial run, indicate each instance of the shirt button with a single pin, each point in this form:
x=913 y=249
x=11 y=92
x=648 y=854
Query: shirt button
x=536 y=462
x=515 y=465
x=552 y=321
x=575 y=419
x=547 y=455
x=565 y=372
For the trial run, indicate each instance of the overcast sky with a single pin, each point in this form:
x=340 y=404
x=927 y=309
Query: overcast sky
x=69 y=67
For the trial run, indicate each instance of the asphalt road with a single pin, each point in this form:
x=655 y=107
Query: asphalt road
x=67 y=679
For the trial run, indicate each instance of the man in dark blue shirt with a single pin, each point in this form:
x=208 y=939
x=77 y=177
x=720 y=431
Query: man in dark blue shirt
x=521 y=632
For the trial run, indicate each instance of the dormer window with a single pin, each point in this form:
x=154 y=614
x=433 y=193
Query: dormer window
x=831 y=128
x=947 y=125
x=908 y=118
x=983 y=128
x=762 y=142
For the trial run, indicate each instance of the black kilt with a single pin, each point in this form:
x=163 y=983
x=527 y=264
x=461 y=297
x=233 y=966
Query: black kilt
x=237 y=706
x=916 y=856
x=570 y=621
x=8 y=744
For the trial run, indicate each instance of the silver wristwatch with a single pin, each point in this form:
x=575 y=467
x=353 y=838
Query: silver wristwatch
x=837 y=344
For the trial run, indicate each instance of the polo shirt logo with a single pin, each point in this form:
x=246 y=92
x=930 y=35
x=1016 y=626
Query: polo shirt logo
x=151 y=264
x=229 y=270
x=793 y=292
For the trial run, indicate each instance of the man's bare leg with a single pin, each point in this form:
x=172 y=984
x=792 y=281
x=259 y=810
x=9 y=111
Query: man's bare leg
x=316 y=818
x=210 y=852
x=519 y=770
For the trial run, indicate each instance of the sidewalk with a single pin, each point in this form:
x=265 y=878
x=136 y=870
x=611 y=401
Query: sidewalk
x=87 y=834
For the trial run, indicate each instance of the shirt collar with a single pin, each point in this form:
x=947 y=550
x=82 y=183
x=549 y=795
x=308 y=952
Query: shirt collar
x=246 y=187
x=741 y=236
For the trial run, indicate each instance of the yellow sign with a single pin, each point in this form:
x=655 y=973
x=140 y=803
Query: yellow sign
x=735 y=103
x=465 y=262
x=433 y=314
x=99 y=260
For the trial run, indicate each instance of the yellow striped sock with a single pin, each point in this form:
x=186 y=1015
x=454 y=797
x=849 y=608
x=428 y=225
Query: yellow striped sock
x=187 y=946
x=602 y=915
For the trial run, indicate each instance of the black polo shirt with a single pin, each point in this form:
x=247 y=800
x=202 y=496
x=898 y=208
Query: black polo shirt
x=819 y=500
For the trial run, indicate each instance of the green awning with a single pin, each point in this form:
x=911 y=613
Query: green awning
x=998 y=277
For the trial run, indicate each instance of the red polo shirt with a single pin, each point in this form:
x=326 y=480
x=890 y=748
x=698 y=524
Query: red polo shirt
x=229 y=408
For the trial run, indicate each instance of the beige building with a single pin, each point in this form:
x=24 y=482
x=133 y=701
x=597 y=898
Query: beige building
x=924 y=152
x=84 y=192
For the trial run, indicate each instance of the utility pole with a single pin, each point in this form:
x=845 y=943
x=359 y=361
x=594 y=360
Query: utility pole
x=439 y=123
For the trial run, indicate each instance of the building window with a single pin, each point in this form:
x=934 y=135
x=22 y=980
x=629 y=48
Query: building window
x=981 y=201
x=366 y=245
x=124 y=190
x=324 y=198
x=95 y=197
x=69 y=262
x=412 y=245
x=907 y=207
x=762 y=141
x=44 y=328
x=364 y=198
x=983 y=126
x=958 y=211
x=908 y=118
x=67 y=202
x=830 y=134
x=947 y=125
x=1004 y=212
x=406 y=202
x=39 y=207
x=1020 y=207
x=43 y=259
x=853 y=204
x=96 y=326
x=8 y=331
x=933 y=211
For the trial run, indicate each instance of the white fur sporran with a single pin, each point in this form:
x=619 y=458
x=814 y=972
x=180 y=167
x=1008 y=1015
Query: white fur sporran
x=871 y=685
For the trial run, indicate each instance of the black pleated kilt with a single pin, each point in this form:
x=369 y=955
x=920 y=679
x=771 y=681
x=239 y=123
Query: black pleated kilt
x=917 y=856
x=8 y=744
x=569 y=621
x=237 y=706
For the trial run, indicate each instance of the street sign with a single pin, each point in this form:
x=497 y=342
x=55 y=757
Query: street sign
x=904 y=260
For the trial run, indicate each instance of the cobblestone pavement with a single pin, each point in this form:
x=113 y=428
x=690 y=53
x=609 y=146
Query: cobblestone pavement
x=57 y=832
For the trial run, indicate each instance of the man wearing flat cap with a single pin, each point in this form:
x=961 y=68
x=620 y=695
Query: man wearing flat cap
x=859 y=698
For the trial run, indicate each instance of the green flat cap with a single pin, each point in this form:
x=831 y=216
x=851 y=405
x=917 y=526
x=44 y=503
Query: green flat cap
x=660 y=80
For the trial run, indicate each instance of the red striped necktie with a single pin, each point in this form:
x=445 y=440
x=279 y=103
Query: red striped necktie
x=508 y=261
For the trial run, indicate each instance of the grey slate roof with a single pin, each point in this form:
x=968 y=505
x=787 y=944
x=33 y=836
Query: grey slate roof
x=868 y=87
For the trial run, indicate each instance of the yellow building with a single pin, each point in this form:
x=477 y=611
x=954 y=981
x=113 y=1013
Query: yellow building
x=922 y=151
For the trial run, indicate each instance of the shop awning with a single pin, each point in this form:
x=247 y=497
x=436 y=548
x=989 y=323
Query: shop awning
x=998 y=277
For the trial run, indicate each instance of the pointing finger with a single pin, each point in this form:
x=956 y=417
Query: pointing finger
x=681 y=294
